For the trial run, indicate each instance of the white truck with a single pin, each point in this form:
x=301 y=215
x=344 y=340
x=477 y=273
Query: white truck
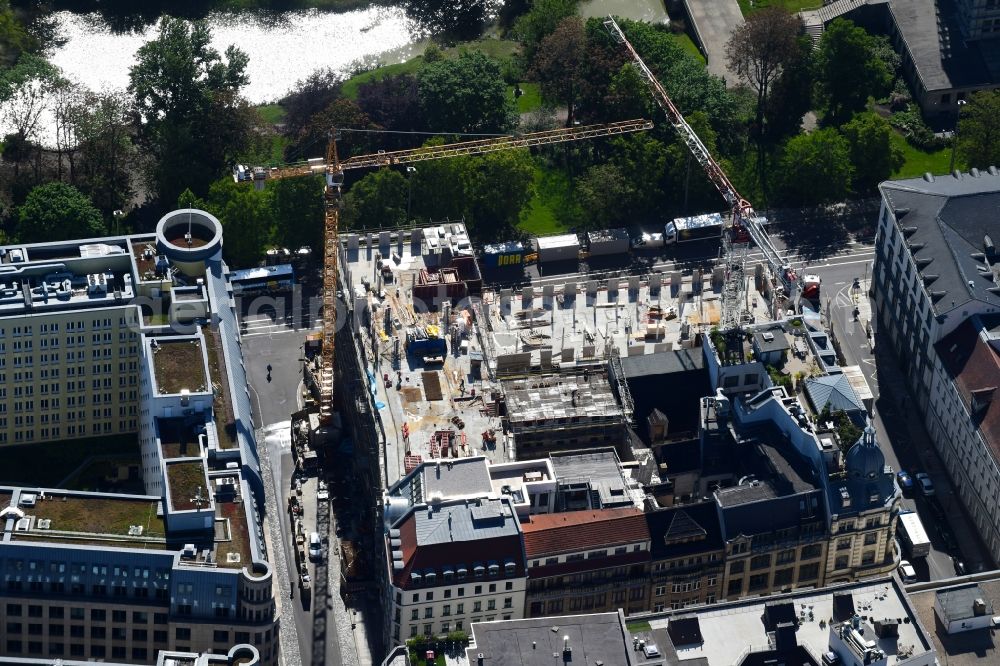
x=912 y=535
x=697 y=227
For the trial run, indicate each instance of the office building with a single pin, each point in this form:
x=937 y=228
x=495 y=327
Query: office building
x=132 y=336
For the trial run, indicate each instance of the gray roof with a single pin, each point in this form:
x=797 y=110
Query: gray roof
x=942 y=57
x=663 y=363
x=835 y=391
x=461 y=477
x=464 y=521
x=945 y=221
x=599 y=468
x=778 y=341
x=596 y=638
x=957 y=602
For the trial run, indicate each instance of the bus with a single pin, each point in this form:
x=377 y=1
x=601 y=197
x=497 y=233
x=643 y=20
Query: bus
x=266 y=280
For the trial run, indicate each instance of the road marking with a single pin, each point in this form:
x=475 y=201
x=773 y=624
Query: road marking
x=837 y=284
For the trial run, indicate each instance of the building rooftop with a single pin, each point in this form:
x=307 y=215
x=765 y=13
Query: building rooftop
x=734 y=631
x=574 y=531
x=957 y=602
x=974 y=365
x=944 y=223
x=178 y=365
x=771 y=339
x=179 y=436
x=940 y=53
x=464 y=536
x=444 y=479
x=91 y=519
x=187 y=482
x=560 y=398
x=600 y=638
x=678 y=531
x=833 y=391
x=967 y=648
x=601 y=471
x=672 y=382
x=224 y=417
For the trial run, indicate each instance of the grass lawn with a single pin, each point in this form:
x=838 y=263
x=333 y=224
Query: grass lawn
x=351 y=85
x=684 y=40
x=178 y=365
x=750 y=6
x=185 y=480
x=100 y=516
x=271 y=113
x=918 y=162
x=553 y=192
x=45 y=464
x=642 y=625
x=531 y=98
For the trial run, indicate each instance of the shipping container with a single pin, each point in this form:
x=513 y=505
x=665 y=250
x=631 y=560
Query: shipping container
x=503 y=255
x=608 y=241
x=558 y=248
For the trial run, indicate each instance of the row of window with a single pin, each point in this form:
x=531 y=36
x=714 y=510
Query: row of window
x=591 y=555
x=17 y=647
x=77 y=631
x=477 y=607
x=79 y=325
x=477 y=590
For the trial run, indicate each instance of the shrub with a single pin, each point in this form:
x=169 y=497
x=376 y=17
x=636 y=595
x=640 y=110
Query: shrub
x=915 y=130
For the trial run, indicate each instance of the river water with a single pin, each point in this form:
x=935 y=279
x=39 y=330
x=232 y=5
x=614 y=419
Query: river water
x=282 y=49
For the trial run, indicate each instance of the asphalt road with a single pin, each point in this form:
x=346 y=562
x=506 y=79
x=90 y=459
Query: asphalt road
x=897 y=432
x=272 y=339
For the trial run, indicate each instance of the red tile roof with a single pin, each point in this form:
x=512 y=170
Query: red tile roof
x=577 y=531
x=974 y=365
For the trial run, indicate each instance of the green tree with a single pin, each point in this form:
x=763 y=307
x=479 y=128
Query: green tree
x=24 y=89
x=14 y=39
x=557 y=65
x=686 y=180
x=193 y=123
x=498 y=186
x=761 y=48
x=642 y=160
x=979 y=130
x=377 y=200
x=466 y=94
x=874 y=156
x=849 y=70
x=297 y=208
x=792 y=93
x=540 y=21
x=57 y=211
x=247 y=219
x=107 y=154
x=816 y=168
x=602 y=190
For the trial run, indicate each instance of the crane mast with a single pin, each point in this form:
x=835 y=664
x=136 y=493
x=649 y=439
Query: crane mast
x=333 y=170
x=745 y=225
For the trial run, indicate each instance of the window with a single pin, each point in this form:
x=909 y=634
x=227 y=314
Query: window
x=660 y=591
x=786 y=556
x=759 y=582
x=182 y=634
x=415 y=614
x=446 y=611
x=841 y=562
x=844 y=544
x=760 y=562
x=428 y=612
x=783 y=577
x=871 y=538
x=220 y=636
x=737 y=567
x=808 y=571
x=811 y=551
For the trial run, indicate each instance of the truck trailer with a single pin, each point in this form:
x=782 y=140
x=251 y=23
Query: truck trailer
x=697 y=227
x=912 y=535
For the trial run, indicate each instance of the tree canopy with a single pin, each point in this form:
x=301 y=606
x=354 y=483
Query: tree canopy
x=979 y=130
x=849 y=70
x=57 y=211
x=192 y=121
x=816 y=168
x=874 y=156
x=540 y=21
x=558 y=65
x=466 y=94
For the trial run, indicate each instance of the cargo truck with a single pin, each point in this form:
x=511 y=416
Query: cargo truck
x=912 y=535
x=697 y=227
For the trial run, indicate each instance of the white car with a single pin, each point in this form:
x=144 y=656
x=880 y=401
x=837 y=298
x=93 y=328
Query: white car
x=907 y=572
x=315 y=546
x=322 y=493
x=925 y=483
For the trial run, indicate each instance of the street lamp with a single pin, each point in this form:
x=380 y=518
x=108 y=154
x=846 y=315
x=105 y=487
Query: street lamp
x=410 y=170
x=954 y=135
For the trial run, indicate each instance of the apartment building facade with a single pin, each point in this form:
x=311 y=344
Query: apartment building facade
x=132 y=336
x=937 y=297
x=587 y=561
x=451 y=563
x=687 y=556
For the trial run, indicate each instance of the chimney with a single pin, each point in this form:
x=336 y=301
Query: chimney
x=981 y=398
x=979 y=607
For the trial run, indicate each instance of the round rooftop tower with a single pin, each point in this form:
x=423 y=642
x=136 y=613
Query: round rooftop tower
x=188 y=237
x=865 y=459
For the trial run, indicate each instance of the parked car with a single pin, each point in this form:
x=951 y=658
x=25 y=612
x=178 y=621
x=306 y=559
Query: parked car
x=907 y=572
x=905 y=481
x=315 y=546
x=959 y=566
x=925 y=483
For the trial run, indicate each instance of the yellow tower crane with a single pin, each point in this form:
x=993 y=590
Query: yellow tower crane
x=333 y=169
